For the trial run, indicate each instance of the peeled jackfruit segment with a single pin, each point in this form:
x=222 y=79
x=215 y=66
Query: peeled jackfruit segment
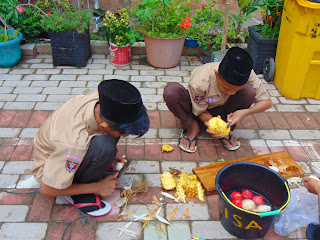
x=167 y=148
x=191 y=186
x=200 y=191
x=180 y=194
x=219 y=126
x=167 y=180
x=183 y=179
x=192 y=189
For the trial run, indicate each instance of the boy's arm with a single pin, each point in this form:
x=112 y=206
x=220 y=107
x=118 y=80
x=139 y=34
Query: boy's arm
x=313 y=186
x=261 y=106
x=104 y=188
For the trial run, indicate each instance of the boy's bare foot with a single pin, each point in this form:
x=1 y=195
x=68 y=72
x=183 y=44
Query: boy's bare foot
x=230 y=144
x=191 y=134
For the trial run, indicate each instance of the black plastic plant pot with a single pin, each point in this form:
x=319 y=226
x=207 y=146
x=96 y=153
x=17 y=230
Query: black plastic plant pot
x=242 y=223
x=206 y=55
x=260 y=48
x=70 y=48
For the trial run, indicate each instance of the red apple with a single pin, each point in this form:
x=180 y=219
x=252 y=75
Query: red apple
x=236 y=195
x=247 y=194
x=237 y=202
x=258 y=200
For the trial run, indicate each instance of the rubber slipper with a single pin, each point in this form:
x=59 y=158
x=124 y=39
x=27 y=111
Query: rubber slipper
x=229 y=140
x=89 y=204
x=190 y=141
x=313 y=231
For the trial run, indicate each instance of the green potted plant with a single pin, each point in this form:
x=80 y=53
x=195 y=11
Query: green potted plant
x=263 y=39
x=116 y=29
x=237 y=36
x=209 y=22
x=10 y=50
x=191 y=39
x=68 y=28
x=164 y=25
x=26 y=18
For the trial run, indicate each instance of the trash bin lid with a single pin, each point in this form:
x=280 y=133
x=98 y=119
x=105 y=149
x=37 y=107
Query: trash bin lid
x=309 y=3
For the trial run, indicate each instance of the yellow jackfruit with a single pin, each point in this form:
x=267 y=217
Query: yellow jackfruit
x=167 y=180
x=180 y=194
x=167 y=148
x=200 y=191
x=192 y=189
x=186 y=185
x=219 y=126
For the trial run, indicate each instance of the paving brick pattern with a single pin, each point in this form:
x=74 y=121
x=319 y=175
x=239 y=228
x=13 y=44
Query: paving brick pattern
x=34 y=88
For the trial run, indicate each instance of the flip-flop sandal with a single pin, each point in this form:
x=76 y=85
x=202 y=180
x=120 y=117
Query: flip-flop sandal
x=190 y=142
x=229 y=140
x=89 y=204
x=313 y=231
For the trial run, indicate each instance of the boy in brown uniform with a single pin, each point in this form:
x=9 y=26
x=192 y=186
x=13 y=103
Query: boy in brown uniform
x=78 y=143
x=226 y=89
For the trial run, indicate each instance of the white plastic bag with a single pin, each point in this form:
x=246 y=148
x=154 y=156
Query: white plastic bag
x=302 y=209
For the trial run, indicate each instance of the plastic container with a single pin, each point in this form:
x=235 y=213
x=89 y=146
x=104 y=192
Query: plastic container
x=70 y=48
x=242 y=223
x=297 y=65
x=260 y=48
x=10 y=51
x=120 y=56
x=191 y=42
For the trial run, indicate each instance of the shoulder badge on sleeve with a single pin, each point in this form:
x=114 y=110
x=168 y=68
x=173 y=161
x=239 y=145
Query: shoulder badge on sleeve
x=73 y=162
x=199 y=98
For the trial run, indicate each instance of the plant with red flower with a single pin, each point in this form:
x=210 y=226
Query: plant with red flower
x=163 y=18
x=26 y=18
x=185 y=23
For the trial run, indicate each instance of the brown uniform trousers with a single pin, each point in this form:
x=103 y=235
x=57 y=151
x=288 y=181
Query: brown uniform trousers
x=178 y=101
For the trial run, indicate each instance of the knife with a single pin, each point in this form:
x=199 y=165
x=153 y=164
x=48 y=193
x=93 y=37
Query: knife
x=124 y=169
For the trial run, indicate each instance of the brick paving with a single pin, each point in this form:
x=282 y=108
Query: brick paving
x=33 y=89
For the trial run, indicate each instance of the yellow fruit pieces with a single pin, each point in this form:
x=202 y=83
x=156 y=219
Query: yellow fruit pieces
x=186 y=185
x=168 y=182
x=189 y=185
x=219 y=126
x=167 y=148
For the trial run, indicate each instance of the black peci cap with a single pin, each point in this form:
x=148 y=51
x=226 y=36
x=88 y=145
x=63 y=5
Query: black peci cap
x=236 y=66
x=120 y=101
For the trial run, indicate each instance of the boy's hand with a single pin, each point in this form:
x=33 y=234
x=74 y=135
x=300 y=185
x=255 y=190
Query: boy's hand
x=312 y=185
x=212 y=133
x=108 y=185
x=235 y=117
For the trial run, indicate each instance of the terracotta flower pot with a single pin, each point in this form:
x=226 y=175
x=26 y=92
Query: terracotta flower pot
x=164 y=52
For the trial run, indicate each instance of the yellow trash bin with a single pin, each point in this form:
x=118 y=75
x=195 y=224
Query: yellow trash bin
x=298 y=53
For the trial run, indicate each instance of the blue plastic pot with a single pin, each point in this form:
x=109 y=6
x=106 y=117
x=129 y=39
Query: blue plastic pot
x=10 y=51
x=191 y=42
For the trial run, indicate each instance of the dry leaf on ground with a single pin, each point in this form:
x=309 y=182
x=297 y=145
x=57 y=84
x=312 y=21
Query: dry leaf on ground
x=124 y=217
x=173 y=214
x=156 y=201
x=185 y=214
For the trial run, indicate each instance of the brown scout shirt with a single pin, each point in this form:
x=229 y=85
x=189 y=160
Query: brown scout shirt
x=204 y=92
x=63 y=140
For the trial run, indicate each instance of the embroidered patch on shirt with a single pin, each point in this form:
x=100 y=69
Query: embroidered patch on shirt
x=73 y=162
x=210 y=99
x=199 y=98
